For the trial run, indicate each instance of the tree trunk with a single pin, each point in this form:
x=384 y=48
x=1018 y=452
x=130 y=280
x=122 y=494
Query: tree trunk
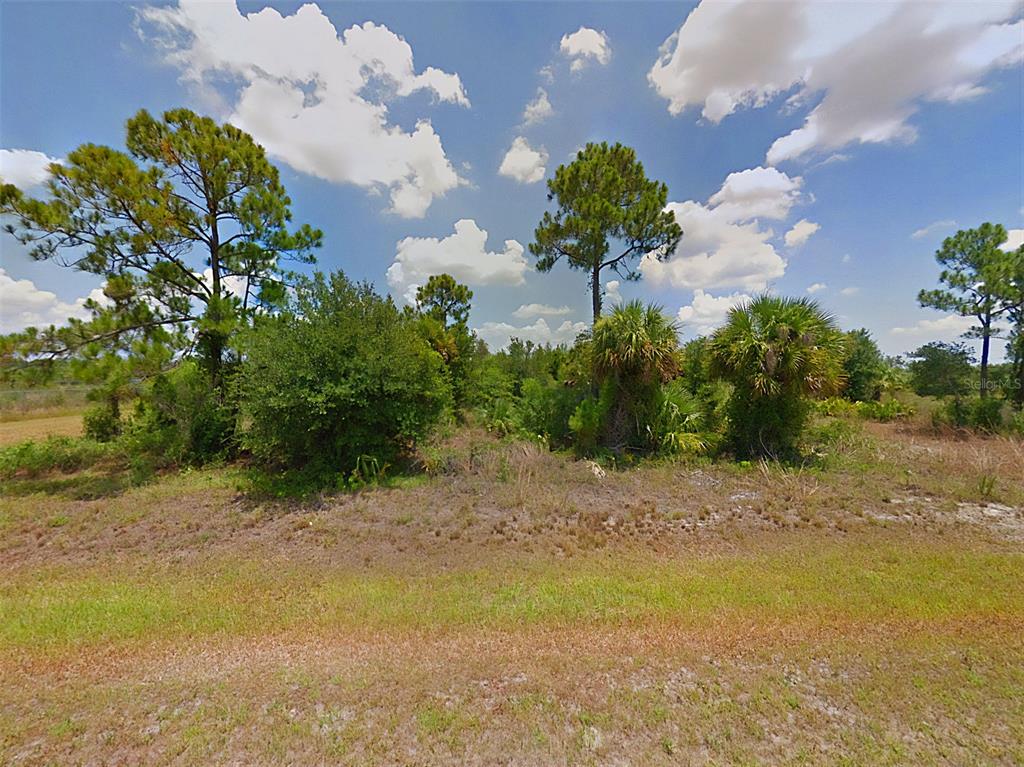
x=1018 y=395
x=986 y=340
x=595 y=287
x=215 y=349
x=1018 y=367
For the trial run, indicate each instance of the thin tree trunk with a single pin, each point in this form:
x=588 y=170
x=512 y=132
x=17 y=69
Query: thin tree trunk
x=595 y=287
x=986 y=340
x=216 y=346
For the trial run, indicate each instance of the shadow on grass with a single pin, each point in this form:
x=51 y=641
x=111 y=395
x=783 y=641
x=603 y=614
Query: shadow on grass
x=260 y=485
x=83 y=486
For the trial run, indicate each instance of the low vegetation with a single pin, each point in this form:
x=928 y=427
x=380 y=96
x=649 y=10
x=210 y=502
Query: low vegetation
x=287 y=520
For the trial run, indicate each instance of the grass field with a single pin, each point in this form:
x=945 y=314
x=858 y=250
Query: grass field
x=14 y=431
x=516 y=608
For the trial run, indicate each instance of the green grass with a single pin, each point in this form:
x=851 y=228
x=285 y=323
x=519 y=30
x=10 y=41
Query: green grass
x=55 y=609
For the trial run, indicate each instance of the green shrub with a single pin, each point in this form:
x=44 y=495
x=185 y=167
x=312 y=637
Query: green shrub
x=101 y=423
x=65 y=454
x=835 y=407
x=180 y=418
x=635 y=350
x=835 y=433
x=545 y=407
x=679 y=422
x=1015 y=425
x=941 y=369
x=343 y=374
x=889 y=410
x=981 y=414
x=588 y=420
x=767 y=426
x=779 y=353
x=863 y=367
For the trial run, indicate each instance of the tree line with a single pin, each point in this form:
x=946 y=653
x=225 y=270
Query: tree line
x=221 y=345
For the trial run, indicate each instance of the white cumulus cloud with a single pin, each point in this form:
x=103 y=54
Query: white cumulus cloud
x=25 y=168
x=539 y=109
x=24 y=305
x=526 y=311
x=865 y=67
x=1014 y=239
x=315 y=99
x=817 y=287
x=800 y=233
x=498 y=334
x=757 y=193
x=946 y=328
x=706 y=312
x=583 y=45
x=463 y=255
x=612 y=296
x=524 y=163
x=724 y=244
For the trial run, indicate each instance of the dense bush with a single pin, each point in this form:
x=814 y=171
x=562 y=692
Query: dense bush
x=883 y=410
x=183 y=418
x=682 y=422
x=979 y=413
x=545 y=407
x=342 y=375
x=101 y=422
x=889 y=410
x=778 y=353
x=531 y=390
x=941 y=369
x=54 y=454
x=863 y=367
x=635 y=351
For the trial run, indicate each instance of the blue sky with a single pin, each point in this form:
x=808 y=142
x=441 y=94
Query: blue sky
x=882 y=128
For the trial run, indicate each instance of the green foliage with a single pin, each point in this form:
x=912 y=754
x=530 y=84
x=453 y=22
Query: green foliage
x=65 y=454
x=182 y=417
x=531 y=390
x=983 y=414
x=544 y=409
x=1015 y=424
x=443 y=307
x=979 y=282
x=101 y=423
x=680 y=422
x=835 y=433
x=456 y=346
x=888 y=410
x=777 y=352
x=589 y=420
x=636 y=345
x=635 y=350
x=863 y=367
x=445 y=300
x=603 y=198
x=188 y=195
x=941 y=369
x=343 y=374
x=835 y=407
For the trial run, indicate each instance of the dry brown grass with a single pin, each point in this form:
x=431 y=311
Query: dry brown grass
x=40 y=427
x=649 y=694
x=868 y=612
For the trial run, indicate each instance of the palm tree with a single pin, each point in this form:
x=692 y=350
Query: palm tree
x=635 y=349
x=777 y=352
x=637 y=344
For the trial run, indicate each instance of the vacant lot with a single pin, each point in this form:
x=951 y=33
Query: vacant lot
x=518 y=607
x=14 y=431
